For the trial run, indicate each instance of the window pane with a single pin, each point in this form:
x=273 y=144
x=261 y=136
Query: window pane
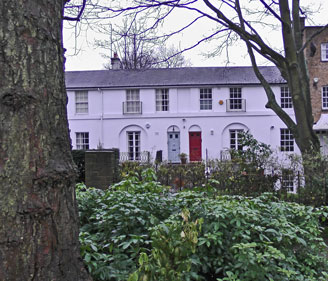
x=235 y=99
x=205 y=97
x=324 y=51
x=286 y=140
x=81 y=101
x=162 y=100
x=132 y=104
x=235 y=139
x=325 y=97
x=82 y=140
x=133 y=145
x=285 y=98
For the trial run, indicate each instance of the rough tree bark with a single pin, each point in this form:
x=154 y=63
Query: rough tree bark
x=38 y=214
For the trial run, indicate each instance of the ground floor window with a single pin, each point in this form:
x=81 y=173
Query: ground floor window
x=82 y=140
x=133 y=145
x=235 y=139
x=287 y=180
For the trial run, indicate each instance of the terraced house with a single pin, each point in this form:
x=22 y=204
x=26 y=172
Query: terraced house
x=197 y=111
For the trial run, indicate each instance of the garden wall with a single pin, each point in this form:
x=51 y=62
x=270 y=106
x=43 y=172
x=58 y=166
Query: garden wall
x=101 y=167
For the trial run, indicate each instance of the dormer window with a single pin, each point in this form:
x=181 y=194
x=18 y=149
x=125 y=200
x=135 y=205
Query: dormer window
x=324 y=52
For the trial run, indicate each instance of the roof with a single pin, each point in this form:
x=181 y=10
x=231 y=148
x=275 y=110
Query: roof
x=164 y=77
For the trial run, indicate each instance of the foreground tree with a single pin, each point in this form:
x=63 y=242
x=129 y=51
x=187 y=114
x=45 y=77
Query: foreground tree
x=246 y=19
x=38 y=215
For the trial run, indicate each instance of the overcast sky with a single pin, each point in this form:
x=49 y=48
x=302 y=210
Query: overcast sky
x=81 y=53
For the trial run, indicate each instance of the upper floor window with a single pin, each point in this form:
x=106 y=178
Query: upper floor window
x=235 y=102
x=285 y=98
x=162 y=100
x=235 y=139
x=82 y=140
x=286 y=140
x=132 y=104
x=324 y=51
x=205 y=99
x=81 y=102
x=134 y=145
x=325 y=97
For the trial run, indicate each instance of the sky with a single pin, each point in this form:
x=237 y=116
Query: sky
x=82 y=54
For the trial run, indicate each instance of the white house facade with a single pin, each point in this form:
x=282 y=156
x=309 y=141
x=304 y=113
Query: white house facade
x=197 y=111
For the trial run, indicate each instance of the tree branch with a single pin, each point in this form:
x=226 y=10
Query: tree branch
x=308 y=41
x=271 y=10
x=272 y=103
x=78 y=17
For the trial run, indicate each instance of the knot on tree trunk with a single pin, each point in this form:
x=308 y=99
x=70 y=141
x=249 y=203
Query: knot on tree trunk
x=16 y=99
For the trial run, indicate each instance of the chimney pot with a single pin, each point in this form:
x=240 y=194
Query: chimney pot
x=116 y=62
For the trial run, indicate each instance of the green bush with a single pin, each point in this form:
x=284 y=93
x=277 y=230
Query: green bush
x=240 y=239
x=190 y=236
x=115 y=229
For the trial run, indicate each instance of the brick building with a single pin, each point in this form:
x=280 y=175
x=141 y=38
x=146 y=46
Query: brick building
x=317 y=62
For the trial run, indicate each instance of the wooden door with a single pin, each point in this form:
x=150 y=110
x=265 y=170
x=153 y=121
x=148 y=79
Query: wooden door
x=195 y=146
x=173 y=146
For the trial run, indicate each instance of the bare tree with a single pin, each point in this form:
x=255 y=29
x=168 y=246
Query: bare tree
x=246 y=20
x=139 y=47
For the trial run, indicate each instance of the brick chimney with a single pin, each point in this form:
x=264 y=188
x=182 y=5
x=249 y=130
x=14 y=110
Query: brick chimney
x=116 y=62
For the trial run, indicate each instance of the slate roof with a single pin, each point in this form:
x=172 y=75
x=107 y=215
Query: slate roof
x=165 y=77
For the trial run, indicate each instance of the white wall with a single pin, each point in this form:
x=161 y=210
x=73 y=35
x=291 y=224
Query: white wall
x=107 y=125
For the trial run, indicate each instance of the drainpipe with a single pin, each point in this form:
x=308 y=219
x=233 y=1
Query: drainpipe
x=102 y=118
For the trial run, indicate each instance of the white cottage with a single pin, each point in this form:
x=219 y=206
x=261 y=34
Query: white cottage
x=197 y=110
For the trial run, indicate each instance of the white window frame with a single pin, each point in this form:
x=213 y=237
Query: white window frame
x=285 y=98
x=286 y=140
x=205 y=99
x=324 y=97
x=82 y=140
x=134 y=145
x=235 y=139
x=81 y=102
x=162 y=99
x=287 y=180
x=236 y=100
x=324 y=52
x=133 y=104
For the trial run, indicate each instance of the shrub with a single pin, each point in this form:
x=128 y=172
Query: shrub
x=115 y=229
x=240 y=239
x=190 y=236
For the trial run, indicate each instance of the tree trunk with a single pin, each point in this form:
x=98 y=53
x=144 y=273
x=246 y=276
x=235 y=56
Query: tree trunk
x=38 y=214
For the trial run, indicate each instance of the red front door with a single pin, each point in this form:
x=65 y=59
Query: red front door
x=195 y=146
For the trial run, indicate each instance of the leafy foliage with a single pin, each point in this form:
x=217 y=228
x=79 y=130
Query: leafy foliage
x=114 y=229
x=146 y=181
x=193 y=236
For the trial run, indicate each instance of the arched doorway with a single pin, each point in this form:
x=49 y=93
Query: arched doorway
x=195 y=143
